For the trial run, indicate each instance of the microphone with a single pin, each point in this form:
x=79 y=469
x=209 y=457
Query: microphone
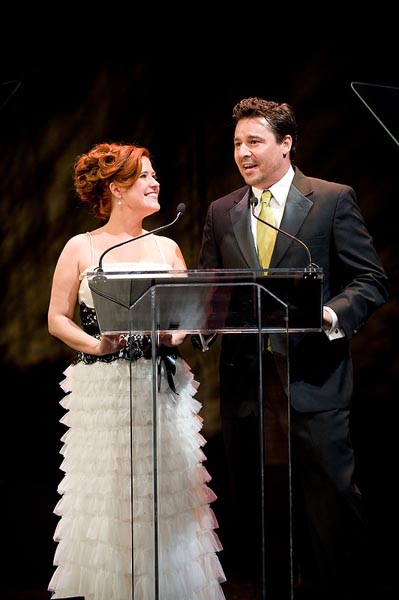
x=254 y=201
x=180 y=210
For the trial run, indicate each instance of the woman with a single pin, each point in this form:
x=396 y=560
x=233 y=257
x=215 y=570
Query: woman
x=108 y=445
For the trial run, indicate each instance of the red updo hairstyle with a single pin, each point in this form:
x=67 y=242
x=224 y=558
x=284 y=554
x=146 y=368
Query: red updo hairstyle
x=104 y=163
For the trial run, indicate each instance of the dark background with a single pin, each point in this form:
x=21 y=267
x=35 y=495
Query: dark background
x=49 y=114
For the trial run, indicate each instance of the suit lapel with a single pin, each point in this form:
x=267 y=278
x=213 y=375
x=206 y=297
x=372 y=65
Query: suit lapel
x=296 y=210
x=240 y=219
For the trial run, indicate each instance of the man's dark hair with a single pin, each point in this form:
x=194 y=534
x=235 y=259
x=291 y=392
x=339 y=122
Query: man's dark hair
x=280 y=117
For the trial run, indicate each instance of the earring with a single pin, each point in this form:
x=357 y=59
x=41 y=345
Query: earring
x=119 y=202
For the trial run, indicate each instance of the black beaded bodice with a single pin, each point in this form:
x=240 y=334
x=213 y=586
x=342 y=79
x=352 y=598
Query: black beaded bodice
x=137 y=346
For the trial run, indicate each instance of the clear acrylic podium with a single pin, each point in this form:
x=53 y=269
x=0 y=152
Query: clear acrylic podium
x=241 y=302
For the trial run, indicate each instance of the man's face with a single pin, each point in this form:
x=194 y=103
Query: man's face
x=260 y=159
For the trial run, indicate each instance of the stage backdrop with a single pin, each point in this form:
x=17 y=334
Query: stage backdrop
x=48 y=115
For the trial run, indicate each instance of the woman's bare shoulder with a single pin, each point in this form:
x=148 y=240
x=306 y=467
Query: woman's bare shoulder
x=172 y=252
x=79 y=238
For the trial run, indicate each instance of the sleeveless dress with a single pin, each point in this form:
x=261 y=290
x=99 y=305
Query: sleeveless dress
x=105 y=534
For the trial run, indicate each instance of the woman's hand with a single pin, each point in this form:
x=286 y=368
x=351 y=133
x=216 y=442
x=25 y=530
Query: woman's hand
x=165 y=338
x=109 y=344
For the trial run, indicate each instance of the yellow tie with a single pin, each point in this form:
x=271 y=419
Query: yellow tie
x=266 y=236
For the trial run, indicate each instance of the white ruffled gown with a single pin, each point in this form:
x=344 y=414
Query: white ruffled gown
x=102 y=553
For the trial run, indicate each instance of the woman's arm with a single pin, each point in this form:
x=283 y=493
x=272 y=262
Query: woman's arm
x=63 y=301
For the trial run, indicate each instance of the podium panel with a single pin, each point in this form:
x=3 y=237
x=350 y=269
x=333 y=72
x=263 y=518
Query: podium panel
x=223 y=301
x=234 y=302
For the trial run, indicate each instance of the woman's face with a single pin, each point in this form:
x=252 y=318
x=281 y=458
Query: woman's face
x=142 y=196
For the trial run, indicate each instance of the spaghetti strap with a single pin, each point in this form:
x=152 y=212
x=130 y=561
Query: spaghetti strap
x=159 y=249
x=91 y=246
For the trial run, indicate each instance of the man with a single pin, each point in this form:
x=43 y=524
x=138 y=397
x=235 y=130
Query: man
x=326 y=218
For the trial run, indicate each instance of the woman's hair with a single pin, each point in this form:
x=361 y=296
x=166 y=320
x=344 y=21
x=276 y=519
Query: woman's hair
x=280 y=117
x=104 y=163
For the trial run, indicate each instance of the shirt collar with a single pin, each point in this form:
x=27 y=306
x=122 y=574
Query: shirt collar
x=279 y=189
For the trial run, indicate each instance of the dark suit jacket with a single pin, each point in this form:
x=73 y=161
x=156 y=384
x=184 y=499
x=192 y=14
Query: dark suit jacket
x=326 y=217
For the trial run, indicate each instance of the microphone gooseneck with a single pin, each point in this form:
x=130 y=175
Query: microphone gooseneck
x=254 y=201
x=180 y=210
